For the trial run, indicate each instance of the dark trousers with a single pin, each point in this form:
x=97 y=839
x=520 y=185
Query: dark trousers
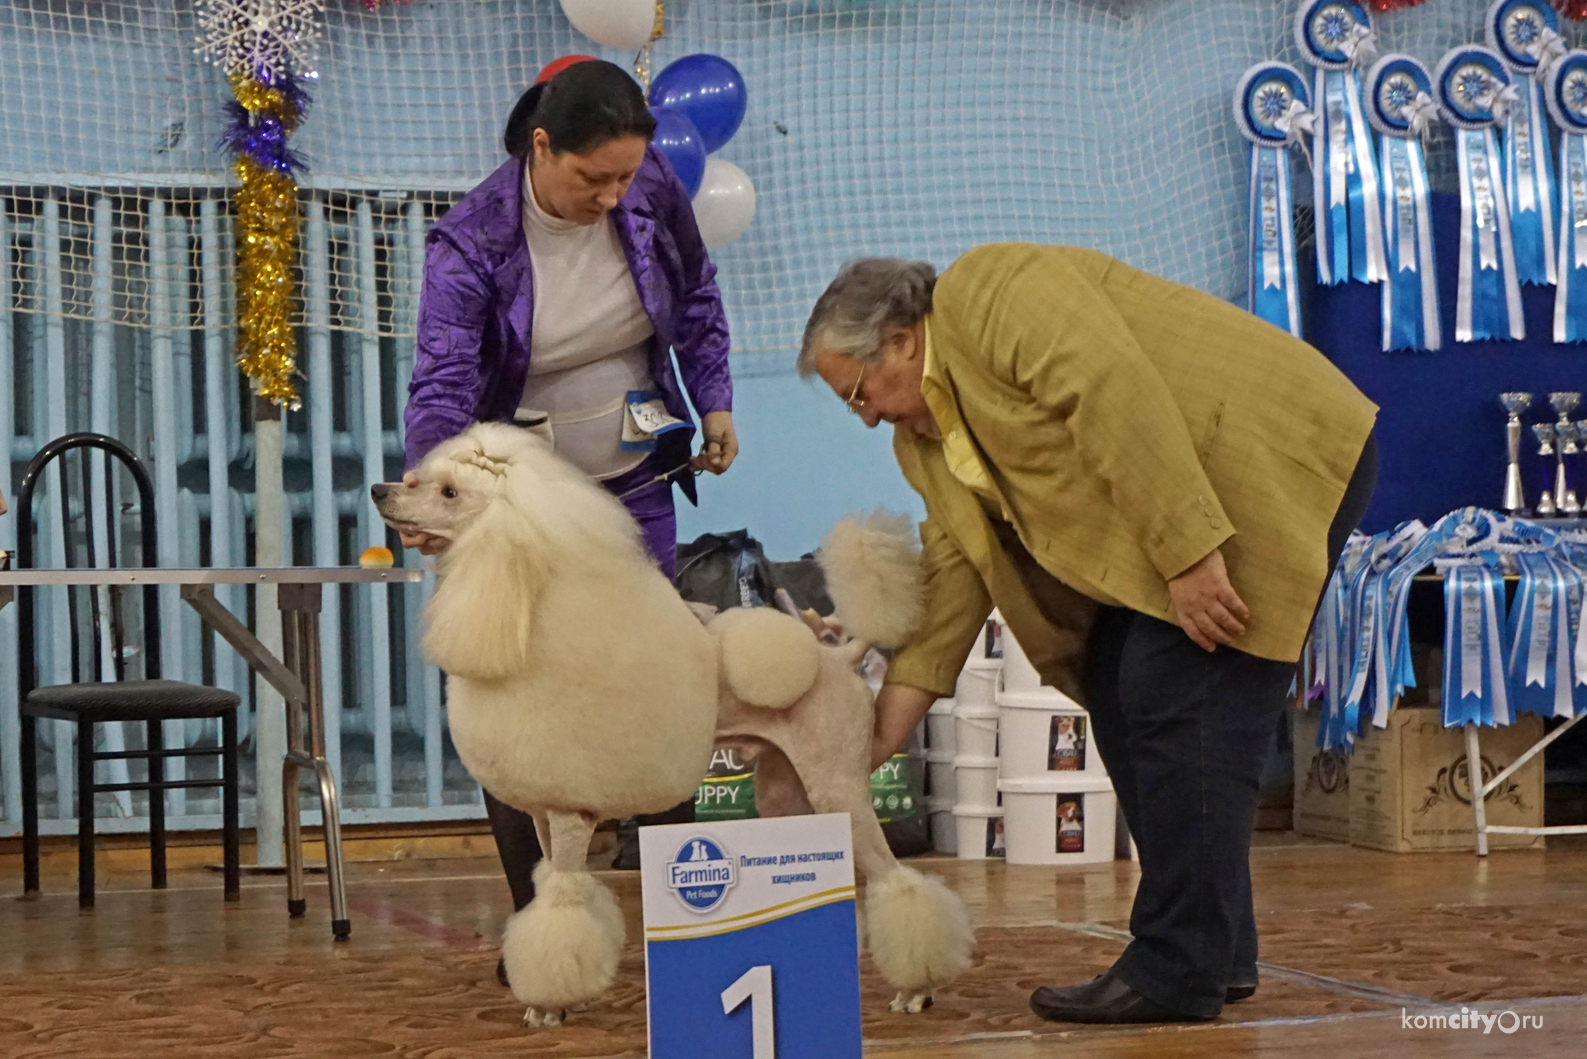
x=1185 y=735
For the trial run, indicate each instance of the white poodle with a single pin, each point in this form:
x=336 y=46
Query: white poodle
x=544 y=564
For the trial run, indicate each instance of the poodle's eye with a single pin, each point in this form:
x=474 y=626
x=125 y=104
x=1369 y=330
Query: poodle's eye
x=448 y=492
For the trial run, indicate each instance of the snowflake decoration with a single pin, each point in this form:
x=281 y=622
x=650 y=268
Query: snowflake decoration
x=1272 y=102
x=1470 y=85
x=1398 y=93
x=1575 y=92
x=1332 y=26
x=1524 y=28
x=260 y=39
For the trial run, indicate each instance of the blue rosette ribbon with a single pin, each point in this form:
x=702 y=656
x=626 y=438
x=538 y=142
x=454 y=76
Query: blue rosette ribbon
x=1565 y=94
x=1525 y=35
x=1273 y=109
x=1539 y=635
x=1336 y=37
x=1476 y=688
x=1399 y=103
x=1474 y=94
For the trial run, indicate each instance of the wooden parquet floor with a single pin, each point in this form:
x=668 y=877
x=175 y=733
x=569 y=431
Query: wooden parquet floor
x=1352 y=942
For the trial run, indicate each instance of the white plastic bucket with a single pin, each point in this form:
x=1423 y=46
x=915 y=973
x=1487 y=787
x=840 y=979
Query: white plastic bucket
x=939 y=727
x=1018 y=673
x=939 y=777
x=1070 y=820
x=1045 y=734
x=975 y=780
x=977 y=688
x=975 y=732
x=979 y=833
x=944 y=830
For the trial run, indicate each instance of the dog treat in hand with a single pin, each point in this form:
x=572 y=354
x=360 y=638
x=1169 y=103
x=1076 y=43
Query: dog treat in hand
x=377 y=558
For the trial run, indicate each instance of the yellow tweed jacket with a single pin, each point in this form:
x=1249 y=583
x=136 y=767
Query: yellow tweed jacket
x=1125 y=426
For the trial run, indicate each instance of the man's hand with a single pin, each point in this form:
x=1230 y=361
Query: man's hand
x=899 y=709
x=427 y=543
x=721 y=443
x=1206 y=605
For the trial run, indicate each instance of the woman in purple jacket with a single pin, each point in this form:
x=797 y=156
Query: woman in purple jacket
x=555 y=294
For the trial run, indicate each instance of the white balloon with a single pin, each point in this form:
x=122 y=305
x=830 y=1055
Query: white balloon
x=624 y=24
x=725 y=203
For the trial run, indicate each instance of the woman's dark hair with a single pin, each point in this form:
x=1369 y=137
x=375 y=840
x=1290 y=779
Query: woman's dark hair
x=580 y=108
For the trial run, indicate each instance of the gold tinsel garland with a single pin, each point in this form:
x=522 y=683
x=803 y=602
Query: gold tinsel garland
x=267 y=251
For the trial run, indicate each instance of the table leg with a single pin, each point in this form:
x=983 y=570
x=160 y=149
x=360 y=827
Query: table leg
x=1479 y=809
x=303 y=602
x=291 y=811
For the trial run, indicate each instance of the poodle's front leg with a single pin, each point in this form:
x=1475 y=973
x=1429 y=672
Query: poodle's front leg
x=563 y=949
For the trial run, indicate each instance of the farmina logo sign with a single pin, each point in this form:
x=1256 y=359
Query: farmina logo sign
x=701 y=874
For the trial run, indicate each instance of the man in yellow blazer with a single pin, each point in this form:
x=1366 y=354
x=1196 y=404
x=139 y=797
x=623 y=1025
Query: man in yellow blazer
x=1152 y=486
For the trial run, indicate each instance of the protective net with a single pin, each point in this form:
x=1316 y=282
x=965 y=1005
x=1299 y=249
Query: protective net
x=910 y=127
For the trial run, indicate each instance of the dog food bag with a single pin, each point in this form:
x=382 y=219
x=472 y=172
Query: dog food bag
x=728 y=791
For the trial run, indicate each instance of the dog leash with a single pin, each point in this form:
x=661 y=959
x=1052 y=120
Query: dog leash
x=665 y=476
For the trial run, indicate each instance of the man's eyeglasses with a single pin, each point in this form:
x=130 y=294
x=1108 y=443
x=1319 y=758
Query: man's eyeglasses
x=855 y=402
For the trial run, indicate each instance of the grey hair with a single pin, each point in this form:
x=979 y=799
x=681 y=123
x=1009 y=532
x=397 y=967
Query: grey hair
x=868 y=296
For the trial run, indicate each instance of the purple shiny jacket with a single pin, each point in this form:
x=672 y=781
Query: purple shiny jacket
x=477 y=304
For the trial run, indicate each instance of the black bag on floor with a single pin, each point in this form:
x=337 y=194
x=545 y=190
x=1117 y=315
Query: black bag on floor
x=731 y=570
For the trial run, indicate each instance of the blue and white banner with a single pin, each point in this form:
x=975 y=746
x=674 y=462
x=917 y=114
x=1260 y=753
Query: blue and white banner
x=1474 y=92
x=1540 y=646
x=1336 y=37
x=1400 y=106
x=751 y=943
x=1525 y=35
x=1565 y=94
x=1273 y=109
x=1476 y=689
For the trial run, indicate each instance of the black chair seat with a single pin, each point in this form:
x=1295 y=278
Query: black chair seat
x=129 y=700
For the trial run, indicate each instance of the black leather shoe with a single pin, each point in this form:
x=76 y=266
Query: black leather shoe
x=1104 y=1000
x=1236 y=993
x=501 y=973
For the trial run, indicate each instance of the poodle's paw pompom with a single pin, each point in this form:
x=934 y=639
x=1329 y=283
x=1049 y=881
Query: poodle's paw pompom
x=907 y=1003
x=541 y=1018
x=563 y=949
x=873 y=572
x=768 y=658
x=920 y=933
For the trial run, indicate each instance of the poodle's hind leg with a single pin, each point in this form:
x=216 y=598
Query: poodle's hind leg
x=918 y=931
x=562 y=950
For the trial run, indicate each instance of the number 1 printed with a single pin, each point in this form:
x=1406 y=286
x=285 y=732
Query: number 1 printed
x=754 y=985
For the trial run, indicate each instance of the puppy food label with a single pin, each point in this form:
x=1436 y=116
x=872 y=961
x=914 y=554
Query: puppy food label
x=728 y=791
x=1071 y=823
x=750 y=938
x=890 y=790
x=1066 y=743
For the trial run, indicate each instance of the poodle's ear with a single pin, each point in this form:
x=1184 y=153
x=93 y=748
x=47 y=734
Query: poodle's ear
x=477 y=624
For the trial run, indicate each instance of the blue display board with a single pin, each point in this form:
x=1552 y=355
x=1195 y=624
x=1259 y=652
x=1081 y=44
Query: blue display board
x=1441 y=430
x=751 y=944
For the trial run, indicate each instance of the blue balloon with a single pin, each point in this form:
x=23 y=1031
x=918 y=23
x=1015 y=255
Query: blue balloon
x=707 y=88
x=680 y=141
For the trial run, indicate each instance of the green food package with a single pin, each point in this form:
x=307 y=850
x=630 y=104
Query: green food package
x=728 y=791
x=891 y=793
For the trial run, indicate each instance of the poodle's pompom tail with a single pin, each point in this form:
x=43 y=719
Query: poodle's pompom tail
x=768 y=659
x=920 y=932
x=872 y=566
x=563 y=949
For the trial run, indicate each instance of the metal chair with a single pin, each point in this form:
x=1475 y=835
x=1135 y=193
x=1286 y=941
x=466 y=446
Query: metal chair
x=149 y=699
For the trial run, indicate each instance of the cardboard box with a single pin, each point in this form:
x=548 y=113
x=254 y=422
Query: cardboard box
x=1410 y=790
x=1322 y=783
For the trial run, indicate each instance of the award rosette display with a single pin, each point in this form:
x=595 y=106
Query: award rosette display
x=1273 y=110
x=1541 y=646
x=1336 y=37
x=1566 y=97
x=1399 y=102
x=1474 y=93
x=1525 y=34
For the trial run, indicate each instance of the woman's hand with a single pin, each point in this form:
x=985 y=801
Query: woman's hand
x=1206 y=604
x=899 y=710
x=721 y=443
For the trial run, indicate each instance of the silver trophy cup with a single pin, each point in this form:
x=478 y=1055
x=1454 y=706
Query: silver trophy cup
x=1544 y=432
x=1565 y=501
x=1514 y=494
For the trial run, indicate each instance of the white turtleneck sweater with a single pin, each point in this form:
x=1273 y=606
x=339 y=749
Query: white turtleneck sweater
x=590 y=341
